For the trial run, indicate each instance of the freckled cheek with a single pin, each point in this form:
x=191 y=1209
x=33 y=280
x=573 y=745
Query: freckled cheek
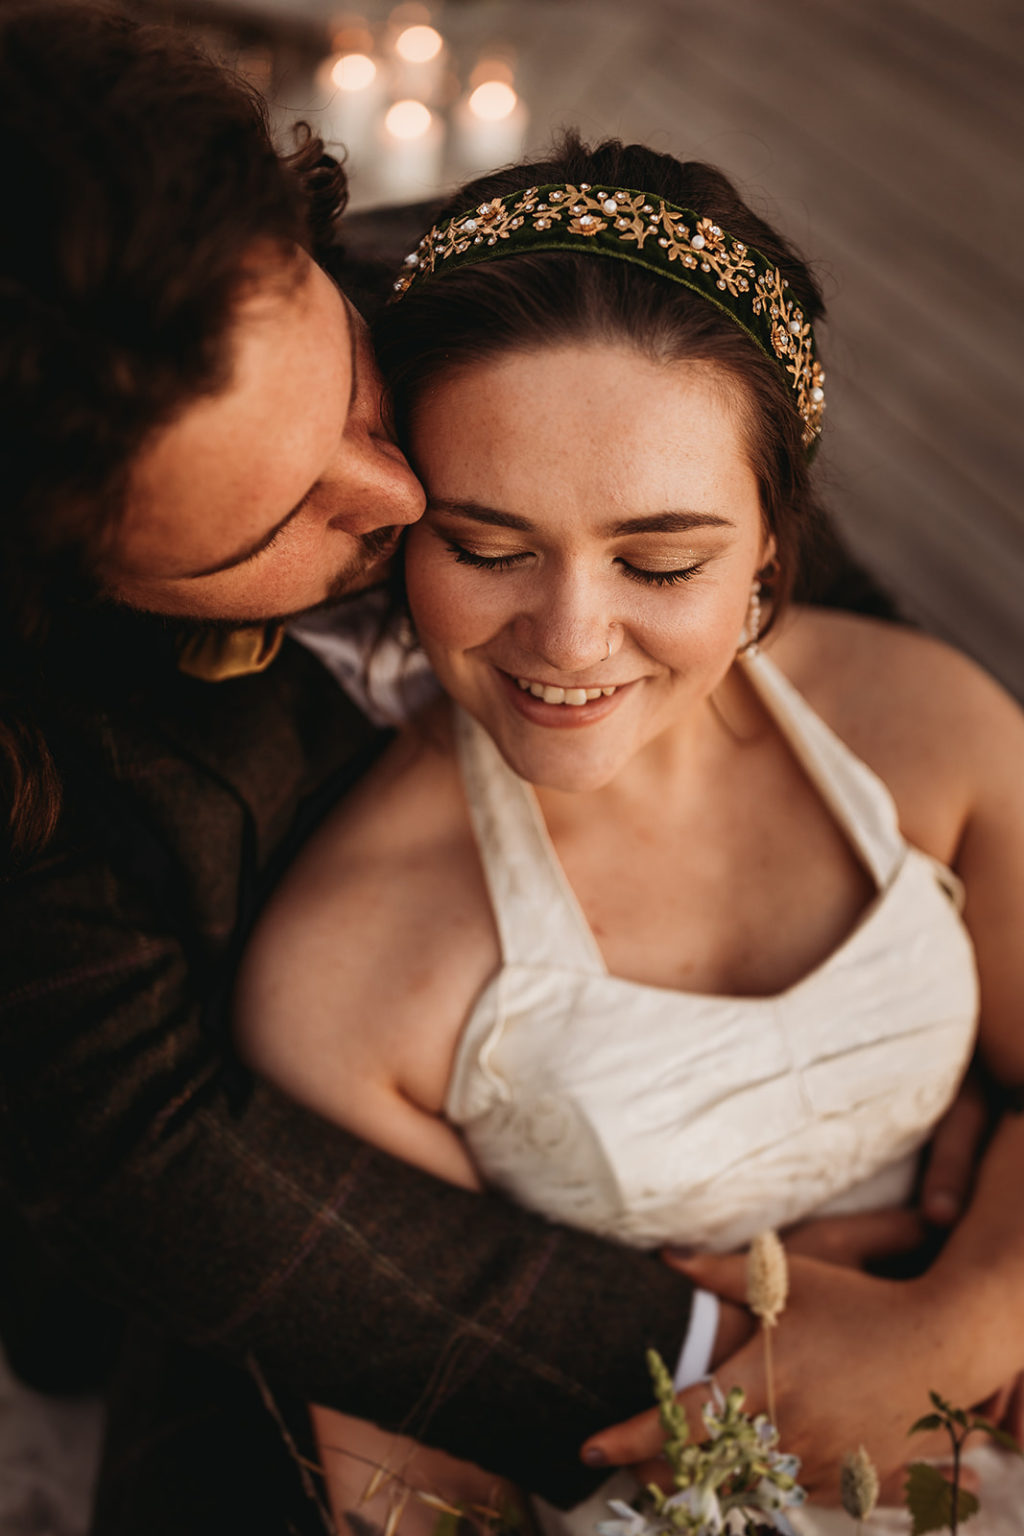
x=454 y=608
x=696 y=631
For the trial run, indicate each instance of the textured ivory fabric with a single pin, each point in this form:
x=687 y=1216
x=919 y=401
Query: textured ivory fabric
x=655 y=1116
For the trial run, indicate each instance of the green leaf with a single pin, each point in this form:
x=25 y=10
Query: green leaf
x=939 y=1402
x=930 y=1421
x=930 y=1499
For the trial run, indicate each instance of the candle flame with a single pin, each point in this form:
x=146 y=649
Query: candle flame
x=493 y=100
x=353 y=72
x=408 y=120
x=417 y=45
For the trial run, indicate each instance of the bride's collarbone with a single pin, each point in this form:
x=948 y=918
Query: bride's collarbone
x=739 y=894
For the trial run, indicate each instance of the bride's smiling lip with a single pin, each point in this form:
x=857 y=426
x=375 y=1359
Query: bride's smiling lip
x=561 y=712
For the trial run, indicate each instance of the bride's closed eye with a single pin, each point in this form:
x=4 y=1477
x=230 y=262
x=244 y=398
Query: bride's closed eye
x=466 y=556
x=661 y=578
x=638 y=573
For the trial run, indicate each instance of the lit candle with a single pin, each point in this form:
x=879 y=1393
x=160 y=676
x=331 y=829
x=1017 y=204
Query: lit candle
x=490 y=127
x=418 y=67
x=411 y=153
x=354 y=99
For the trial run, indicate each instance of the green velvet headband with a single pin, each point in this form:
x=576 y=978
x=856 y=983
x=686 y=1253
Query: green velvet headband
x=639 y=227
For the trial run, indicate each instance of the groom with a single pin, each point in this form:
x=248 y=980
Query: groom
x=193 y=449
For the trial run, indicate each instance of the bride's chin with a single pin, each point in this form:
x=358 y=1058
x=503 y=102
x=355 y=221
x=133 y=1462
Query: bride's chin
x=562 y=762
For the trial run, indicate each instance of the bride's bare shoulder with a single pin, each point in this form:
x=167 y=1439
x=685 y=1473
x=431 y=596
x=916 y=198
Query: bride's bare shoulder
x=411 y=798
x=384 y=857
x=355 y=944
x=859 y=669
x=931 y=722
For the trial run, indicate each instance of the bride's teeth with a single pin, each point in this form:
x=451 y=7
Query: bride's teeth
x=571 y=696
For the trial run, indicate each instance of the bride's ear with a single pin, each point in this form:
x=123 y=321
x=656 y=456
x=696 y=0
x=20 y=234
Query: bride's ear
x=769 y=566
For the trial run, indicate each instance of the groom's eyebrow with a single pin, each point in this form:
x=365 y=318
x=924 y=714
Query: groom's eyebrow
x=655 y=522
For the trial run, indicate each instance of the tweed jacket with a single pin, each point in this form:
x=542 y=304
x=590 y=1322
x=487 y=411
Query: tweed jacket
x=211 y=1204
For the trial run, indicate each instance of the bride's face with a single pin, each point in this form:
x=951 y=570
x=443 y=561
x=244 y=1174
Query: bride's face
x=582 y=574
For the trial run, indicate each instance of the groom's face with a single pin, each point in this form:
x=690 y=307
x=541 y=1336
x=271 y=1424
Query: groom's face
x=282 y=491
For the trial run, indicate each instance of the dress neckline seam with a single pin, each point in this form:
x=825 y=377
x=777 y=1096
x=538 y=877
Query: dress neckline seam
x=738 y=999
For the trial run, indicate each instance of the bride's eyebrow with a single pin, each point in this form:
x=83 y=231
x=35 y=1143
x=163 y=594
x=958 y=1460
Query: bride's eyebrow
x=666 y=522
x=475 y=513
x=655 y=522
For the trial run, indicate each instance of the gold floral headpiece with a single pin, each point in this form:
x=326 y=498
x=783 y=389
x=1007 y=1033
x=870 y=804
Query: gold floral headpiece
x=639 y=227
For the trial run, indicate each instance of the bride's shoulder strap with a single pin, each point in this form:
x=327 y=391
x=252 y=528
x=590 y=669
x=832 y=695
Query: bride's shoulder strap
x=539 y=919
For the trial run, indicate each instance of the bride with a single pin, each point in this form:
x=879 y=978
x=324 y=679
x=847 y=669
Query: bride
x=675 y=917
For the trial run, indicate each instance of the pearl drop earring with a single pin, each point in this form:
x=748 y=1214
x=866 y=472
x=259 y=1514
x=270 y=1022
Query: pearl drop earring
x=752 y=627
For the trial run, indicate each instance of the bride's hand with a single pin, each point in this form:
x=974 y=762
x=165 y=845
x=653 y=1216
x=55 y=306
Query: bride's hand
x=854 y=1359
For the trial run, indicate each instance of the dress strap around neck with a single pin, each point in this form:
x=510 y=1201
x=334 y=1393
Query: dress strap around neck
x=540 y=922
x=856 y=796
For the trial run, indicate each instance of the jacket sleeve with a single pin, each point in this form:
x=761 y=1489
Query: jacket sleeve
x=247 y=1226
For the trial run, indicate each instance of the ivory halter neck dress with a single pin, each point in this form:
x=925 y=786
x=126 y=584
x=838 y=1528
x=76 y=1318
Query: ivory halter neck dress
x=653 y=1116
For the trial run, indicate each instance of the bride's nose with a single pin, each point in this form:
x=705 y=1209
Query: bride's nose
x=569 y=628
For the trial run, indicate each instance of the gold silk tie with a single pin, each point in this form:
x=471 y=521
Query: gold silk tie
x=215 y=655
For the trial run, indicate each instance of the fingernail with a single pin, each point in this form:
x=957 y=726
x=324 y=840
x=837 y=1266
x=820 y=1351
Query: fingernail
x=593 y=1456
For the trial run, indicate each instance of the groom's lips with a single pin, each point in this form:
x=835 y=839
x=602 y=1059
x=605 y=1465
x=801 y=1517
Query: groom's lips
x=560 y=716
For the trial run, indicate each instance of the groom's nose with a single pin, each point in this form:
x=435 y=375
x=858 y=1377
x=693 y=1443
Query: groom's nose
x=369 y=481
x=372 y=486
x=370 y=478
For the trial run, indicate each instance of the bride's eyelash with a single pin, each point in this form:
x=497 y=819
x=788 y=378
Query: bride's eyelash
x=465 y=556
x=661 y=578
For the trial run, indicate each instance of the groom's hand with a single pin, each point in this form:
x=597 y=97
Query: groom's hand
x=860 y=1240
x=853 y=1361
x=952 y=1155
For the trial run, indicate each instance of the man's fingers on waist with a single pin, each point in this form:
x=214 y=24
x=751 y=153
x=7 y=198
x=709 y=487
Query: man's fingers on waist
x=853 y=1240
x=952 y=1157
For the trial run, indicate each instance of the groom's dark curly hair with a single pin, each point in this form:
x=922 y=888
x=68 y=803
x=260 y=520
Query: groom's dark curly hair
x=140 y=191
